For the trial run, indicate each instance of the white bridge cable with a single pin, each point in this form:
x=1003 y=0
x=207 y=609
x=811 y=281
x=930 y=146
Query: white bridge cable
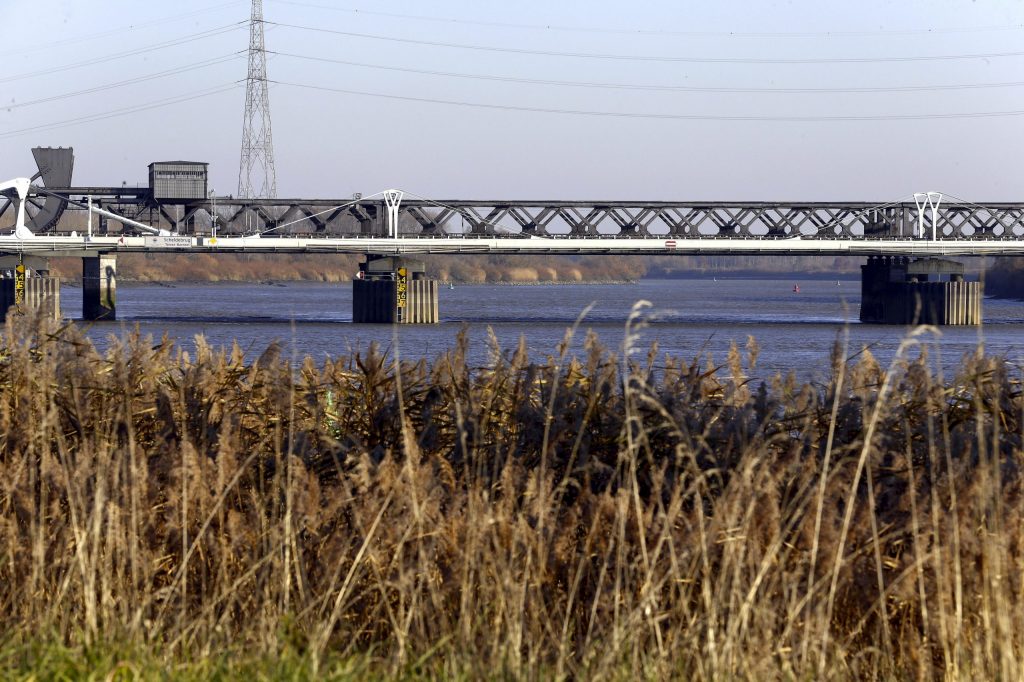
x=993 y=213
x=320 y=213
x=466 y=216
x=652 y=87
x=647 y=58
x=655 y=116
x=968 y=202
x=124 y=220
x=187 y=97
x=655 y=32
x=856 y=215
x=438 y=204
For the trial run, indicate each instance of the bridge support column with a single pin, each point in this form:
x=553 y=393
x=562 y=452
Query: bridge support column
x=25 y=285
x=923 y=291
x=99 y=287
x=391 y=290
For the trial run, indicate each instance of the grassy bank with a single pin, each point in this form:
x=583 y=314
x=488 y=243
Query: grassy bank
x=534 y=269
x=340 y=268
x=226 y=516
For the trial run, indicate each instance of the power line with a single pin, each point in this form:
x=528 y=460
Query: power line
x=644 y=58
x=130 y=81
x=188 y=97
x=674 y=117
x=653 y=88
x=209 y=33
x=656 y=32
x=118 y=31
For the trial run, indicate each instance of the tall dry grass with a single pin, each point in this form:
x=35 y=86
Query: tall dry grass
x=342 y=267
x=590 y=517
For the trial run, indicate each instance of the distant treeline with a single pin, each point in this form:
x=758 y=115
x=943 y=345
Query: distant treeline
x=469 y=269
x=1006 y=278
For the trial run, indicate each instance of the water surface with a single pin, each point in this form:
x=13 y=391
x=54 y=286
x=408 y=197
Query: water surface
x=687 y=318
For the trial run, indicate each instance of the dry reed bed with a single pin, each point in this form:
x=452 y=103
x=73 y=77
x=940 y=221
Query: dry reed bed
x=577 y=518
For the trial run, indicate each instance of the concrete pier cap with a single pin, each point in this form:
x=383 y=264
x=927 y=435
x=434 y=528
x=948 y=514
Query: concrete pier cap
x=386 y=266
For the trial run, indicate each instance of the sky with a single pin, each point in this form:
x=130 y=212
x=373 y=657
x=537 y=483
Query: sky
x=798 y=100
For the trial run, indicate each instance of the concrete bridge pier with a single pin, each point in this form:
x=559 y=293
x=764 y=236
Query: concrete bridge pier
x=898 y=290
x=25 y=284
x=99 y=287
x=393 y=290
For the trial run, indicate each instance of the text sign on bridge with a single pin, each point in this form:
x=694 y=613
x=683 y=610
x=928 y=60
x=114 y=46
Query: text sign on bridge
x=168 y=242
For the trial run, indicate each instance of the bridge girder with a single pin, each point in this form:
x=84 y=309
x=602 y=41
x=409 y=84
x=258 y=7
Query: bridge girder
x=582 y=219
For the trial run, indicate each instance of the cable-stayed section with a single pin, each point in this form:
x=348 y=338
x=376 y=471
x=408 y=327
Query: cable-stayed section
x=256 y=175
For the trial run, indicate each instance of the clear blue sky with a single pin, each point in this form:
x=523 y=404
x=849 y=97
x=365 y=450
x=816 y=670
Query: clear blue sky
x=332 y=144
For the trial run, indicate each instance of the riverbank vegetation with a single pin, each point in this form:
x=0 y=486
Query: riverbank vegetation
x=197 y=513
x=467 y=269
x=342 y=267
x=1006 y=278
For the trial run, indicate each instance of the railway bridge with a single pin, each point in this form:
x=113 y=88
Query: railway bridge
x=905 y=278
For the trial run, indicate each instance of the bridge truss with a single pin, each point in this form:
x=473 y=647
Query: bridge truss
x=576 y=219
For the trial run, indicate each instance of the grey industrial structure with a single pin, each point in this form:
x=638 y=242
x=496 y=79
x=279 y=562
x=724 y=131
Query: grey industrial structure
x=178 y=180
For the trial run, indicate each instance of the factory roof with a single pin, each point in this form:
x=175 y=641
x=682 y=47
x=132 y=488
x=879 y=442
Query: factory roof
x=179 y=163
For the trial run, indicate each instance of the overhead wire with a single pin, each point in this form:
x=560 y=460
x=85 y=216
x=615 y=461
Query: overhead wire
x=656 y=32
x=120 y=31
x=188 y=97
x=522 y=108
x=652 y=88
x=653 y=115
x=131 y=81
x=648 y=58
x=209 y=33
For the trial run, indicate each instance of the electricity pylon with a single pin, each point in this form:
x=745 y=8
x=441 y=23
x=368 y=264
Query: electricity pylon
x=257 y=141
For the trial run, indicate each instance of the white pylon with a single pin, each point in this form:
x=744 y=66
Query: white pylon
x=929 y=200
x=393 y=199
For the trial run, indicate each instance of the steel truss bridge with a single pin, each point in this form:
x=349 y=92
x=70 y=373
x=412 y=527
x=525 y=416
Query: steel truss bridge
x=562 y=219
x=624 y=228
x=394 y=222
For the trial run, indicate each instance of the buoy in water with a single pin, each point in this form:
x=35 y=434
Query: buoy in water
x=796 y=288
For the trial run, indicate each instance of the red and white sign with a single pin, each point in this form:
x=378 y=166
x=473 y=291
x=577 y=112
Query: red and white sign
x=670 y=244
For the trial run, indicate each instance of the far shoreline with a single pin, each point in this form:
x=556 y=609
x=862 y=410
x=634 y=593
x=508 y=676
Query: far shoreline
x=683 y=276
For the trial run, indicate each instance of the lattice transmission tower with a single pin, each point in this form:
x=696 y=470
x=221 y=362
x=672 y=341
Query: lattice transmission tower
x=256 y=175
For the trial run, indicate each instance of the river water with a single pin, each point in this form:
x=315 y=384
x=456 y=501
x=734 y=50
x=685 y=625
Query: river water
x=687 y=318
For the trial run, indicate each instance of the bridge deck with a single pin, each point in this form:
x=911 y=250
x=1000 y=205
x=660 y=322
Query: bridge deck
x=57 y=246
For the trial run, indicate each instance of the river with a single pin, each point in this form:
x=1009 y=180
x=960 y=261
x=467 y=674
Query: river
x=687 y=318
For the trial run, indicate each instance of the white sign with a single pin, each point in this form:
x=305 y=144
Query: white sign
x=169 y=242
